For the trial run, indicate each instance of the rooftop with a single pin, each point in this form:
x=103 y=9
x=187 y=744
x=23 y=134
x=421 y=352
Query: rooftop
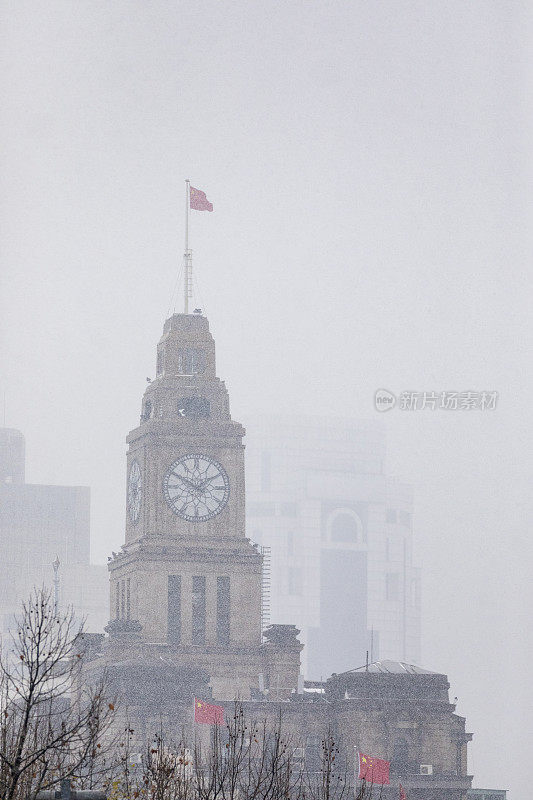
x=393 y=668
x=389 y=680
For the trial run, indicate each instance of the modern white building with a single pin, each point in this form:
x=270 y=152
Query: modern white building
x=37 y=525
x=339 y=532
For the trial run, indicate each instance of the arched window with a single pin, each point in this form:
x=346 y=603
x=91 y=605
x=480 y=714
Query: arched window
x=344 y=529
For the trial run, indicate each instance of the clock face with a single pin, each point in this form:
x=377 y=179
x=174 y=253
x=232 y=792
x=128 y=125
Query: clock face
x=134 y=491
x=196 y=488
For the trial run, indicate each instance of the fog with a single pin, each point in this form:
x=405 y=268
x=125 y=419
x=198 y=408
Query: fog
x=369 y=166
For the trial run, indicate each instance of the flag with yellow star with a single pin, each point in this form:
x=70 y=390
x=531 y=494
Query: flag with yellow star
x=374 y=770
x=207 y=713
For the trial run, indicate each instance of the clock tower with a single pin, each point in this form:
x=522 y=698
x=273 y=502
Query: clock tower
x=186 y=586
x=186 y=458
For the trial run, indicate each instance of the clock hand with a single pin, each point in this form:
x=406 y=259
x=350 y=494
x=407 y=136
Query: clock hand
x=209 y=480
x=187 y=482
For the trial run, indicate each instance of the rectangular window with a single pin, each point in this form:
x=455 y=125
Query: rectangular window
x=128 y=599
x=295 y=580
x=223 y=610
x=174 y=609
x=313 y=753
x=392 y=587
x=122 y=599
x=160 y=362
x=290 y=543
x=197 y=362
x=415 y=592
x=288 y=509
x=191 y=361
x=405 y=518
x=198 y=609
x=117 y=600
x=265 y=472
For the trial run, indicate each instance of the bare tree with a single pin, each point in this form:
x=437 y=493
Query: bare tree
x=247 y=759
x=168 y=774
x=163 y=771
x=243 y=761
x=47 y=732
x=332 y=781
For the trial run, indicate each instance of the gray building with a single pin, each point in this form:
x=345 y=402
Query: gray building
x=338 y=532
x=186 y=616
x=37 y=524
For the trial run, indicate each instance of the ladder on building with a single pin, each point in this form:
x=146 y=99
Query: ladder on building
x=188 y=289
x=265 y=588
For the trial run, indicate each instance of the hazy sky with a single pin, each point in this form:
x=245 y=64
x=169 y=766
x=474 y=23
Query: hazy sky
x=369 y=165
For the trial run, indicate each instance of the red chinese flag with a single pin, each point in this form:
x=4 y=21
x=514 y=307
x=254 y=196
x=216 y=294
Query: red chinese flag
x=207 y=714
x=374 y=770
x=198 y=200
x=403 y=796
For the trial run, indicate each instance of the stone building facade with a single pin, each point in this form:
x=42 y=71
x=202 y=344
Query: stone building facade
x=186 y=597
x=186 y=586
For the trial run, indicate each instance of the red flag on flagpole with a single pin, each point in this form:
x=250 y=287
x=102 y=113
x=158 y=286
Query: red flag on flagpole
x=198 y=200
x=206 y=714
x=374 y=770
x=403 y=796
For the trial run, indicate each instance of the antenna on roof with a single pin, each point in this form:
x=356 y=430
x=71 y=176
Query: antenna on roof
x=367 y=661
x=56 y=564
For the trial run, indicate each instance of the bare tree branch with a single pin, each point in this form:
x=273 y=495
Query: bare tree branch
x=49 y=729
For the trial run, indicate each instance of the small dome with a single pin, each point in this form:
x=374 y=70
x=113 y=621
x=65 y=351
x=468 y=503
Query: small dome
x=395 y=668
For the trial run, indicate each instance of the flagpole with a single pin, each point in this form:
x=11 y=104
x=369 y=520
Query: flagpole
x=187 y=259
x=194 y=728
